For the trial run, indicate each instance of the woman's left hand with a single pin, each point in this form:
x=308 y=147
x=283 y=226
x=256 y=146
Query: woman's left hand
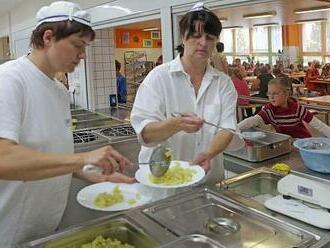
x=202 y=159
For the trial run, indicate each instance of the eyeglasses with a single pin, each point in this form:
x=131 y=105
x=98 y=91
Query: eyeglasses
x=274 y=94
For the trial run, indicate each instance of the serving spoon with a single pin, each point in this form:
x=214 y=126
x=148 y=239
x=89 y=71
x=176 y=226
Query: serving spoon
x=158 y=164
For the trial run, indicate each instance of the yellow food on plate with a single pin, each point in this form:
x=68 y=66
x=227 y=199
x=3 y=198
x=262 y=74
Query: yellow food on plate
x=176 y=175
x=168 y=154
x=100 y=242
x=282 y=167
x=131 y=201
x=106 y=199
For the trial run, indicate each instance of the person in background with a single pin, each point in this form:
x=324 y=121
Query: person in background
x=277 y=73
x=192 y=87
x=238 y=64
x=284 y=113
x=325 y=71
x=36 y=141
x=121 y=84
x=311 y=74
x=242 y=89
x=261 y=83
x=159 y=60
x=218 y=60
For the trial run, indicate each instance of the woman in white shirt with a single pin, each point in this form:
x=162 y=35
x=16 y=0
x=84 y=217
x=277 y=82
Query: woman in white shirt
x=36 y=143
x=189 y=85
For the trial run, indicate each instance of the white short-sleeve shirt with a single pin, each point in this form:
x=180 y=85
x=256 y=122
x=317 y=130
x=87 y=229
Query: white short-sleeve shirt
x=35 y=113
x=168 y=89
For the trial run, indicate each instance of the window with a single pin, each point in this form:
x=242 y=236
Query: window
x=328 y=36
x=260 y=39
x=311 y=59
x=311 y=37
x=230 y=59
x=242 y=39
x=237 y=43
x=327 y=59
x=276 y=34
x=226 y=37
x=262 y=59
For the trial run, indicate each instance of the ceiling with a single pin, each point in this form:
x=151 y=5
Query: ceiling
x=8 y=5
x=284 y=12
x=284 y=9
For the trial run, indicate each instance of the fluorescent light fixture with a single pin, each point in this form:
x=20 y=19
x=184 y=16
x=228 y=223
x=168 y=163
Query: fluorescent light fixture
x=232 y=27
x=270 y=24
x=311 y=20
x=260 y=15
x=223 y=19
x=125 y=10
x=312 y=9
x=151 y=29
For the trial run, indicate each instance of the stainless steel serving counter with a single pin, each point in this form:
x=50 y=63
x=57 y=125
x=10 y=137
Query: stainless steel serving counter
x=293 y=159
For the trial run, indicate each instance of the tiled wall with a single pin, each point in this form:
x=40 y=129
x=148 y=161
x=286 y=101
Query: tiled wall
x=101 y=63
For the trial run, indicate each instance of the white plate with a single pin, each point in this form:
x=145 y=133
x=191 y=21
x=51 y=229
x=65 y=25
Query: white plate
x=253 y=135
x=87 y=195
x=142 y=175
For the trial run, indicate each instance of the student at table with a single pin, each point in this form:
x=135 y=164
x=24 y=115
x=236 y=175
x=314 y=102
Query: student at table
x=284 y=113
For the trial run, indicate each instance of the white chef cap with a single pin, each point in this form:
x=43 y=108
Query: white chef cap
x=198 y=7
x=63 y=11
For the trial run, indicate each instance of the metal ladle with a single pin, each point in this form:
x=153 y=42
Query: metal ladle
x=177 y=114
x=158 y=163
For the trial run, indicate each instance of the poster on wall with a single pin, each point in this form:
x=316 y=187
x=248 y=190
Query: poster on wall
x=125 y=38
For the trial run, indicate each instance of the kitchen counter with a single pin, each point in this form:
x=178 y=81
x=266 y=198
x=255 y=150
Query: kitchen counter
x=122 y=113
x=293 y=159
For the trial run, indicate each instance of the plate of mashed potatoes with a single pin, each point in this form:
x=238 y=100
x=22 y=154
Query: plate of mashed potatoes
x=109 y=196
x=179 y=174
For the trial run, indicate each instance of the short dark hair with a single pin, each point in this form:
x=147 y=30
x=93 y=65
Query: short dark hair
x=61 y=30
x=118 y=65
x=220 y=47
x=211 y=24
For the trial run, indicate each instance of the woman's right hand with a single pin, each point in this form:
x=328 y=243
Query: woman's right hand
x=190 y=122
x=107 y=158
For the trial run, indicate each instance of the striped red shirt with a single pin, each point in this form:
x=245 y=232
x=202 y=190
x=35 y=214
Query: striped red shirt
x=288 y=120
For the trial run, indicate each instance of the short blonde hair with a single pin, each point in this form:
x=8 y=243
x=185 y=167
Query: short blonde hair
x=284 y=83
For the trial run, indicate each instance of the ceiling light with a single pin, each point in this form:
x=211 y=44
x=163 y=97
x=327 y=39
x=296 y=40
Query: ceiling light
x=260 y=15
x=312 y=9
x=232 y=27
x=270 y=24
x=151 y=29
x=223 y=19
x=311 y=20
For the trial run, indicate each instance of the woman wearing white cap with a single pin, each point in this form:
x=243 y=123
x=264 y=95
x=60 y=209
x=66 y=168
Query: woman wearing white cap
x=36 y=144
x=189 y=85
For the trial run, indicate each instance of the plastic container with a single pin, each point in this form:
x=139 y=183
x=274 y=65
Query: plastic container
x=315 y=152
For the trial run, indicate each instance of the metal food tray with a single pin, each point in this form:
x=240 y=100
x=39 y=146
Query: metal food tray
x=193 y=241
x=225 y=221
x=270 y=146
x=258 y=184
x=121 y=228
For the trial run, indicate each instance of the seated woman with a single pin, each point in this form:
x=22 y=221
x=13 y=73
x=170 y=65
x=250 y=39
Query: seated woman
x=241 y=87
x=262 y=81
x=325 y=71
x=284 y=113
x=313 y=74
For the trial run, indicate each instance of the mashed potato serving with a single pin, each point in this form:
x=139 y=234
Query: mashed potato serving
x=106 y=199
x=176 y=175
x=100 y=242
